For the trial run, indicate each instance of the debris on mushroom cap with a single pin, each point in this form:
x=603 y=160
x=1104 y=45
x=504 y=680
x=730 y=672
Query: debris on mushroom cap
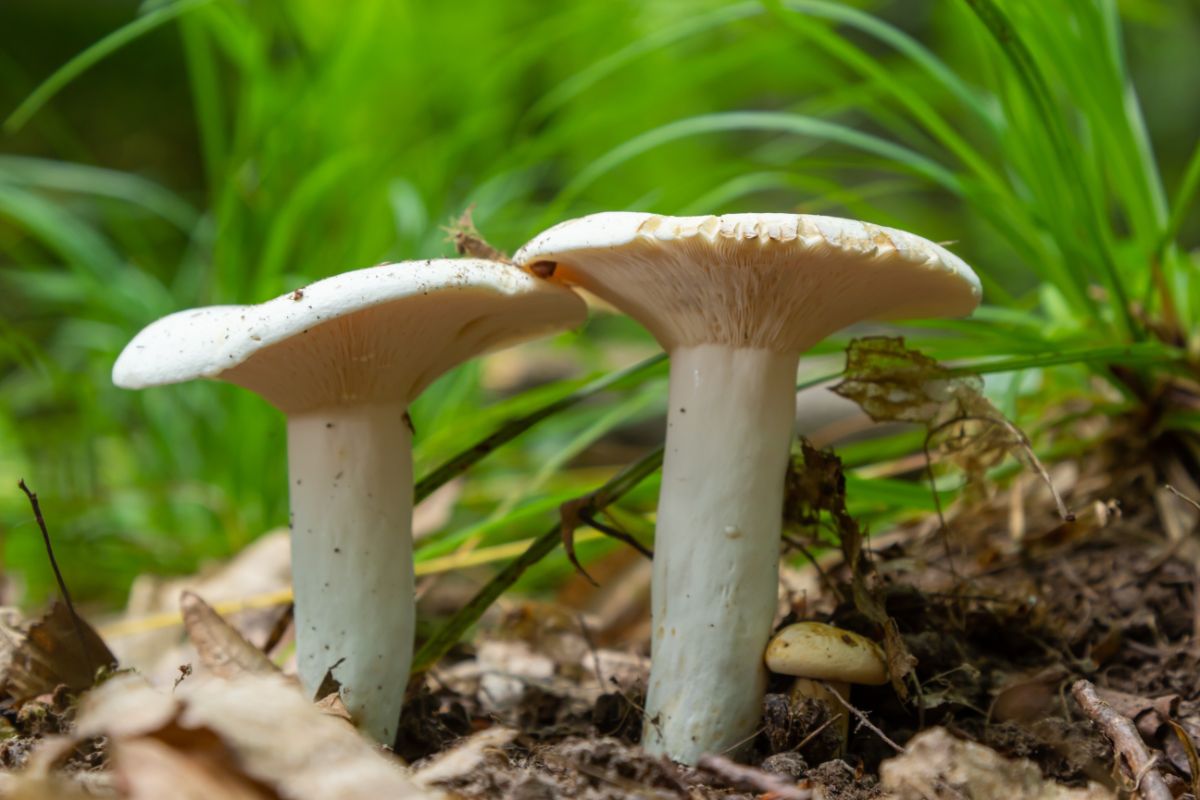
x=776 y=281
x=383 y=332
x=820 y=651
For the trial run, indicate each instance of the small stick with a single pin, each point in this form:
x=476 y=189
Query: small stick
x=813 y=735
x=1182 y=496
x=750 y=779
x=1126 y=741
x=588 y=517
x=862 y=719
x=282 y=623
x=830 y=584
x=62 y=585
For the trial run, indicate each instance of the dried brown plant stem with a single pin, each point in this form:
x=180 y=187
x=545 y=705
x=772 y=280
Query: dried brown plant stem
x=749 y=778
x=1126 y=741
x=862 y=719
x=62 y=584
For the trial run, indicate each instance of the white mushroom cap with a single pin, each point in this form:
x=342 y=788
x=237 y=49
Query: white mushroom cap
x=780 y=282
x=823 y=652
x=377 y=334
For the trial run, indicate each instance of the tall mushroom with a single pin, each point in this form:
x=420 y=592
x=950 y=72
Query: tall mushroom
x=735 y=300
x=343 y=358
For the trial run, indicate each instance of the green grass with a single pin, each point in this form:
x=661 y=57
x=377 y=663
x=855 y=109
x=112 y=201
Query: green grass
x=323 y=137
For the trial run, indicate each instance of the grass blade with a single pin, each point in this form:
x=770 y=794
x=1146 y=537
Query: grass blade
x=91 y=56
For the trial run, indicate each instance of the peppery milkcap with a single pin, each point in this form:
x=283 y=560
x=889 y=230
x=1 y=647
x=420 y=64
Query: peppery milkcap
x=343 y=358
x=735 y=300
x=822 y=652
x=780 y=282
x=378 y=334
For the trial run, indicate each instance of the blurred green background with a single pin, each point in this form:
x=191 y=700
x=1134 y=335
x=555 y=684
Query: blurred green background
x=216 y=151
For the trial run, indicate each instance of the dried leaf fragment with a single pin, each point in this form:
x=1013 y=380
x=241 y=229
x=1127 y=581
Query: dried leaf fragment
x=892 y=383
x=254 y=736
x=221 y=647
x=468 y=241
x=816 y=484
x=60 y=649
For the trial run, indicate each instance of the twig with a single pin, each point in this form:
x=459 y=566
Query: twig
x=1182 y=496
x=62 y=584
x=586 y=633
x=1126 y=741
x=746 y=778
x=282 y=623
x=580 y=511
x=736 y=745
x=588 y=517
x=830 y=584
x=862 y=719
x=814 y=734
x=468 y=241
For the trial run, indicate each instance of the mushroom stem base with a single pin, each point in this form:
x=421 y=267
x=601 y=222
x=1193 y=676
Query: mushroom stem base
x=350 y=473
x=716 y=550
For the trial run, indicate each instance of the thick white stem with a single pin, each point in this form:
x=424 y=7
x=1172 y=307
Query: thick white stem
x=352 y=570
x=716 y=549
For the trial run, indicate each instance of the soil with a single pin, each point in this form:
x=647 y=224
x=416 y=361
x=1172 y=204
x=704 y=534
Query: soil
x=999 y=609
x=1003 y=610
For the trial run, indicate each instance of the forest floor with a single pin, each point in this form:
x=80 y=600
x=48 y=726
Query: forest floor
x=1040 y=658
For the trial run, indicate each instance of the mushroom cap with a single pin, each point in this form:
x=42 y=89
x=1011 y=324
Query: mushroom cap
x=820 y=651
x=380 y=334
x=780 y=282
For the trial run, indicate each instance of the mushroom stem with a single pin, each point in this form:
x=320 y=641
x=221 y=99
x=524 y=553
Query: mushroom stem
x=716 y=550
x=350 y=472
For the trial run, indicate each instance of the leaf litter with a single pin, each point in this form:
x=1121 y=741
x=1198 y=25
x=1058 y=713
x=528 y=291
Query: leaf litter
x=986 y=632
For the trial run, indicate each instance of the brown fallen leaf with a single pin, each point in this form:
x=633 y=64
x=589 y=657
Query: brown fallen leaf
x=251 y=733
x=149 y=769
x=892 y=383
x=222 y=649
x=60 y=649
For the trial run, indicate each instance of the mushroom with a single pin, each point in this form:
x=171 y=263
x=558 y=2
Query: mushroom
x=814 y=652
x=343 y=358
x=734 y=300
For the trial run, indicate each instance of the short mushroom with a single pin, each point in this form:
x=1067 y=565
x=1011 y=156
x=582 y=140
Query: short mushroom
x=735 y=300
x=814 y=652
x=343 y=358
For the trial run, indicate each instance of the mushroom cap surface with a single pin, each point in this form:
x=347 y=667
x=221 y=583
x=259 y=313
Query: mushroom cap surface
x=824 y=652
x=780 y=282
x=380 y=334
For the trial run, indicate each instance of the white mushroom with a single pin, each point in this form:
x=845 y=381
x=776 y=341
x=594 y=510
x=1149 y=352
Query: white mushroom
x=343 y=358
x=735 y=300
x=821 y=655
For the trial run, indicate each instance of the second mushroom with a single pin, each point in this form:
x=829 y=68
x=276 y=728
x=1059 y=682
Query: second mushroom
x=343 y=359
x=735 y=300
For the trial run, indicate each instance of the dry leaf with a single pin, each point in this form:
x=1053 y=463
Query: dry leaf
x=222 y=649
x=892 y=383
x=157 y=649
x=60 y=649
x=149 y=769
x=815 y=484
x=252 y=733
